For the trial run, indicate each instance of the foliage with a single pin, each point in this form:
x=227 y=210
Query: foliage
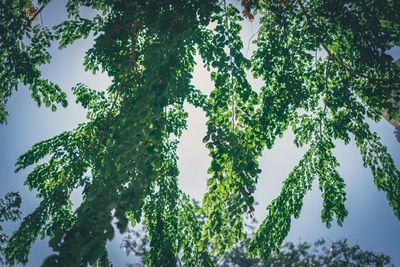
x=124 y=156
x=338 y=253
x=9 y=211
x=23 y=49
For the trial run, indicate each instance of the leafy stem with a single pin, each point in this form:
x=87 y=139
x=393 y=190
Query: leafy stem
x=326 y=82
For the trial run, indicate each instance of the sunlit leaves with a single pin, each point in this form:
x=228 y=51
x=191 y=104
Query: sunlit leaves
x=330 y=184
x=23 y=49
x=72 y=30
x=319 y=106
x=233 y=145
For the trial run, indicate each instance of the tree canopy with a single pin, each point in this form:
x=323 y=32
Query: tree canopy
x=124 y=156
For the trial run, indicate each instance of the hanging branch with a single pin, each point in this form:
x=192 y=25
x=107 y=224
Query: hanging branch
x=119 y=88
x=330 y=53
x=326 y=81
x=327 y=72
x=233 y=96
x=326 y=95
x=133 y=49
x=132 y=60
x=395 y=123
x=363 y=125
x=233 y=127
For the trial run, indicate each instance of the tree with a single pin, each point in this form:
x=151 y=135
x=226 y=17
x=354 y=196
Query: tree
x=124 y=156
x=338 y=253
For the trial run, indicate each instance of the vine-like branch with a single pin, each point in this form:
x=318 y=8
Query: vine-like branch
x=233 y=126
x=133 y=49
x=326 y=95
x=330 y=54
x=233 y=99
x=326 y=82
x=132 y=61
x=363 y=125
x=119 y=88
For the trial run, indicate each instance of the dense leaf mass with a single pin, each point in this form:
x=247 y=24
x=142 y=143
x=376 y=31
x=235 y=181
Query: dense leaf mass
x=124 y=156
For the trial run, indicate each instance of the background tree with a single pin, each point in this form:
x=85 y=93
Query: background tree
x=124 y=155
x=23 y=49
x=338 y=253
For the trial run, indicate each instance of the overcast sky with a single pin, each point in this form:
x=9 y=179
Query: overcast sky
x=370 y=224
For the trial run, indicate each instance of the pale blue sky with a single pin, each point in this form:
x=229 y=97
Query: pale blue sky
x=370 y=224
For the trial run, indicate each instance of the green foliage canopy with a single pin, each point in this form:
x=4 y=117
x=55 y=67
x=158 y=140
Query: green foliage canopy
x=124 y=156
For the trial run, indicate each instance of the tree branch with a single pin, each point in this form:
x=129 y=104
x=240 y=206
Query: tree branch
x=132 y=61
x=37 y=13
x=326 y=82
x=133 y=49
x=328 y=50
x=119 y=88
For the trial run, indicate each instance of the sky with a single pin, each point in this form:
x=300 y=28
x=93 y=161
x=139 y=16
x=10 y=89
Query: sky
x=370 y=224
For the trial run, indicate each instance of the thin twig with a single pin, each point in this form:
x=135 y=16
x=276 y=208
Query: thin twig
x=133 y=49
x=119 y=88
x=132 y=60
x=327 y=72
x=233 y=100
x=233 y=126
x=133 y=53
x=122 y=79
x=37 y=13
x=326 y=82
x=315 y=58
x=320 y=131
x=326 y=95
x=362 y=124
x=248 y=44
